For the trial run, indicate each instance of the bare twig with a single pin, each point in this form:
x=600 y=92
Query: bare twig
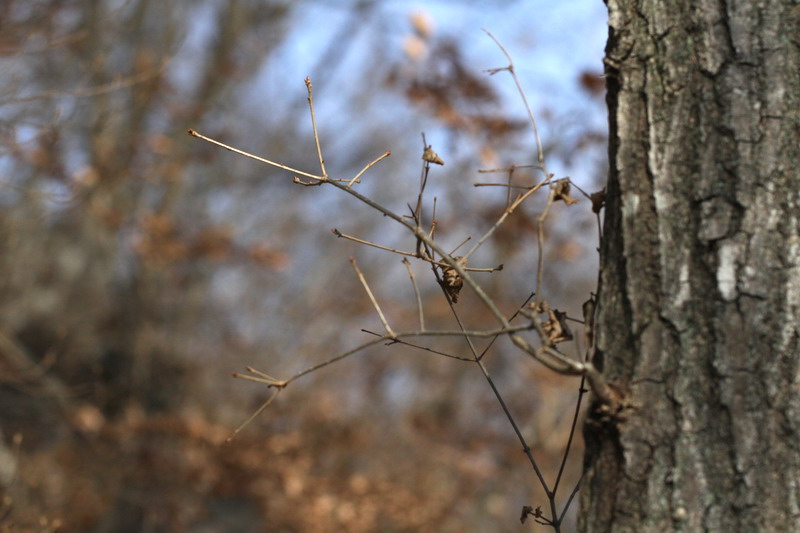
x=510 y=209
x=255 y=414
x=506 y=185
x=413 y=279
x=318 y=179
x=314 y=126
x=423 y=348
x=370 y=243
x=363 y=281
x=540 y=245
x=510 y=69
x=477 y=358
x=368 y=166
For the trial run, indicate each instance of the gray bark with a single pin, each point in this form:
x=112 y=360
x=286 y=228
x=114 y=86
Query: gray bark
x=699 y=300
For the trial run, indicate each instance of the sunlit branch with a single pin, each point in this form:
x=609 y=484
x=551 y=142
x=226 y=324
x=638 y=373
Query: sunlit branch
x=314 y=126
x=372 y=299
x=510 y=209
x=319 y=179
x=370 y=243
x=368 y=166
x=510 y=69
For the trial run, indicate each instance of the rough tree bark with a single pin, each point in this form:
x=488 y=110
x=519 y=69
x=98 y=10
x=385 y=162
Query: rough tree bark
x=699 y=301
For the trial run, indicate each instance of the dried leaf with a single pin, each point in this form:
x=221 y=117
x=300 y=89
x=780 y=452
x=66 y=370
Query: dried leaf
x=431 y=157
x=452 y=282
x=598 y=200
x=561 y=192
x=527 y=510
x=556 y=327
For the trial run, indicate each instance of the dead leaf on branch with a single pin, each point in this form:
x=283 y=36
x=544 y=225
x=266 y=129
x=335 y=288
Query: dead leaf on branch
x=431 y=157
x=561 y=192
x=452 y=282
x=556 y=327
x=598 y=200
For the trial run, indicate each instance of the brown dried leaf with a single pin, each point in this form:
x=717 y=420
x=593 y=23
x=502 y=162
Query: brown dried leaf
x=598 y=200
x=561 y=192
x=556 y=327
x=452 y=282
x=431 y=157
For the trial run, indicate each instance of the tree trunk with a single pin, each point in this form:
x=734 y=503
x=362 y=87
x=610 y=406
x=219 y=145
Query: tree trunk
x=699 y=300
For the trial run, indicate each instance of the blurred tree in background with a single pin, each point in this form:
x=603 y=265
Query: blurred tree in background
x=139 y=267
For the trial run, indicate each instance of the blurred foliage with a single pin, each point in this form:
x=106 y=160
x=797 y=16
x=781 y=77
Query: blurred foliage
x=139 y=266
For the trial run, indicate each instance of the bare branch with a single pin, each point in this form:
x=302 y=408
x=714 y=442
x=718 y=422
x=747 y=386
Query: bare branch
x=368 y=166
x=363 y=281
x=254 y=415
x=510 y=69
x=413 y=278
x=370 y=243
x=510 y=209
x=319 y=179
x=314 y=126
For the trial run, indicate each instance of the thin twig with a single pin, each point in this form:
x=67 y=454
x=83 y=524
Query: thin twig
x=569 y=500
x=573 y=426
x=508 y=186
x=506 y=169
x=508 y=190
x=510 y=209
x=400 y=335
x=370 y=243
x=314 y=126
x=540 y=245
x=368 y=166
x=413 y=279
x=194 y=133
x=477 y=358
x=510 y=69
x=465 y=241
x=255 y=414
x=512 y=317
x=363 y=281
x=424 y=348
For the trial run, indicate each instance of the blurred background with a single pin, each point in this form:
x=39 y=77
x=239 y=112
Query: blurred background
x=139 y=266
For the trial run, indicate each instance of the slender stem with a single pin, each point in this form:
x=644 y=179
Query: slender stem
x=339 y=357
x=506 y=169
x=569 y=500
x=540 y=245
x=314 y=126
x=193 y=133
x=363 y=281
x=510 y=68
x=368 y=166
x=506 y=185
x=370 y=243
x=413 y=279
x=525 y=448
x=424 y=348
x=510 y=209
x=255 y=414
x=573 y=426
